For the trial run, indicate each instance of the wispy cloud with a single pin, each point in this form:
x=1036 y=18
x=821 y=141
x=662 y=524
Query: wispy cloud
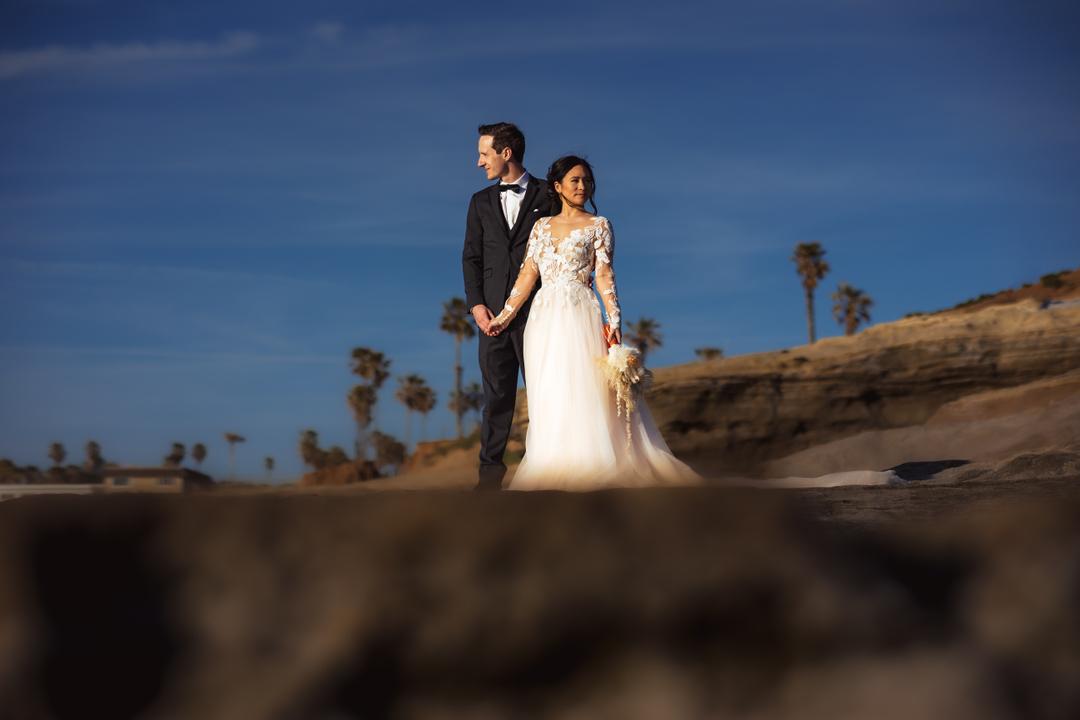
x=153 y=272
x=416 y=43
x=327 y=31
x=187 y=357
x=228 y=308
x=345 y=48
x=773 y=180
x=210 y=309
x=64 y=57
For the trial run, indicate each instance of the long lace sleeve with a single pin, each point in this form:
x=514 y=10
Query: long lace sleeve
x=526 y=280
x=604 y=245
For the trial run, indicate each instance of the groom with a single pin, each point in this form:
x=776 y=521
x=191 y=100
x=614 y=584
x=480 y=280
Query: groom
x=497 y=229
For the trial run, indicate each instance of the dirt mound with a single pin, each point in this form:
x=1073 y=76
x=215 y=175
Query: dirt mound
x=344 y=474
x=1020 y=468
x=1059 y=286
x=1040 y=465
x=982 y=427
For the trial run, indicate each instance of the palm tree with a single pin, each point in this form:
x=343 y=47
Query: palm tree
x=176 y=455
x=471 y=399
x=268 y=463
x=645 y=335
x=310 y=453
x=457 y=403
x=336 y=456
x=474 y=399
x=372 y=366
x=407 y=393
x=57 y=453
x=457 y=321
x=232 y=439
x=198 y=453
x=388 y=451
x=810 y=265
x=94 y=461
x=361 y=400
x=425 y=403
x=851 y=306
x=709 y=353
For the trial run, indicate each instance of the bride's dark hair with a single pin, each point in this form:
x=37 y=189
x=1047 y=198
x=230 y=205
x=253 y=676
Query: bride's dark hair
x=558 y=171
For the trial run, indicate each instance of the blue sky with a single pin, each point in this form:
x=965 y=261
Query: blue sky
x=205 y=206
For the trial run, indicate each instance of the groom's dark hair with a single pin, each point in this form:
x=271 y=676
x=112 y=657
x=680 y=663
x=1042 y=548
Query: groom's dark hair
x=506 y=135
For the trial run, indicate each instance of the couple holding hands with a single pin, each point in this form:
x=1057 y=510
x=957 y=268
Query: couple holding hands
x=534 y=253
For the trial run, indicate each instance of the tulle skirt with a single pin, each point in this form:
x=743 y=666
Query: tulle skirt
x=576 y=439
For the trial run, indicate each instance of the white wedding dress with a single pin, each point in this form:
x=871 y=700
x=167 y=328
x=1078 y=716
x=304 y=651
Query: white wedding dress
x=576 y=439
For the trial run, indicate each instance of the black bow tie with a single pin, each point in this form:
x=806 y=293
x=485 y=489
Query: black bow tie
x=512 y=188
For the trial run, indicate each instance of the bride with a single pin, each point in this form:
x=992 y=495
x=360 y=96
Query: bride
x=576 y=439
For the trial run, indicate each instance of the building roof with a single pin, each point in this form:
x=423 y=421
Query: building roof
x=129 y=471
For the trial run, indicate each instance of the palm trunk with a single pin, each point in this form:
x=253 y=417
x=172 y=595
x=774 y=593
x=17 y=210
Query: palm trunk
x=374 y=409
x=232 y=462
x=363 y=442
x=459 y=411
x=810 y=314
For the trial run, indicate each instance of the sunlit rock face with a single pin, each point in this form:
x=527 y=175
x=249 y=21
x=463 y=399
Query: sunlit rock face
x=737 y=414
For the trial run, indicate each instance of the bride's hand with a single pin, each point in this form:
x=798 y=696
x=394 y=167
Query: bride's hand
x=614 y=336
x=494 y=328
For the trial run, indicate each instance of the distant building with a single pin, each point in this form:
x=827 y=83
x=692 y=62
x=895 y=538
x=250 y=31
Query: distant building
x=118 y=479
x=154 y=479
x=10 y=491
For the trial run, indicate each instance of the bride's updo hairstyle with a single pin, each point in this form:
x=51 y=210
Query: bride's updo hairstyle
x=559 y=170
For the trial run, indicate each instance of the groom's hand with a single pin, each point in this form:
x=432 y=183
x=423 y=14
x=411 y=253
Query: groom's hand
x=483 y=317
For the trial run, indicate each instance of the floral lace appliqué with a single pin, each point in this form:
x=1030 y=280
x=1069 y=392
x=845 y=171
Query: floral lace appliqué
x=565 y=264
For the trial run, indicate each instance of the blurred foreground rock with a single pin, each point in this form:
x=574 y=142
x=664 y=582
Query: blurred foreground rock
x=933 y=601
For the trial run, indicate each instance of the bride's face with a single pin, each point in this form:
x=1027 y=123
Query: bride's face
x=576 y=186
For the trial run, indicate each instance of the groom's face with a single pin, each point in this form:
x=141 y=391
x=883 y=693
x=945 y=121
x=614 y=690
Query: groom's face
x=493 y=163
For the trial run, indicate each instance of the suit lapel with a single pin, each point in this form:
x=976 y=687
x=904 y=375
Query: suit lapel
x=496 y=207
x=526 y=205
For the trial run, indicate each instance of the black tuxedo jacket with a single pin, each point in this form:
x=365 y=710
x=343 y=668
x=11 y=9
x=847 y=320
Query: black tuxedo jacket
x=494 y=252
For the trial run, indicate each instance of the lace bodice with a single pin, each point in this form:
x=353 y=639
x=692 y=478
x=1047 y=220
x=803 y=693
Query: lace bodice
x=564 y=264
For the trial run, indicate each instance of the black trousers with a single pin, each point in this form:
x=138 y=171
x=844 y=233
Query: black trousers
x=501 y=359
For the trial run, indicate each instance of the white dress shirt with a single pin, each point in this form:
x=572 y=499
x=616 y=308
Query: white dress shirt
x=511 y=201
